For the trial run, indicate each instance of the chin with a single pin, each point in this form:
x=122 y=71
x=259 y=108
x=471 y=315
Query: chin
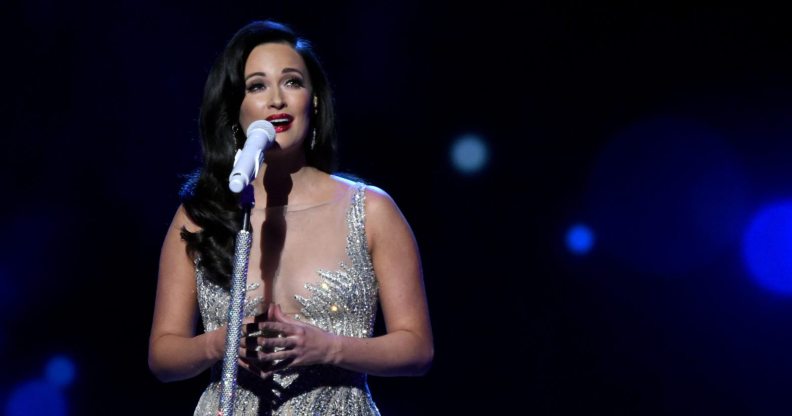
x=286 y=146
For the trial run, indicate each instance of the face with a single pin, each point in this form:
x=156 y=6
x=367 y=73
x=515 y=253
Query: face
x=278 y=89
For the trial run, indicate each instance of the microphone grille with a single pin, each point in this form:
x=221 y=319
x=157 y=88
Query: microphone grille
x=264 y=126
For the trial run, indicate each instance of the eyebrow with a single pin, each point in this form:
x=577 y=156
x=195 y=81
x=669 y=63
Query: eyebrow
x=285 y=70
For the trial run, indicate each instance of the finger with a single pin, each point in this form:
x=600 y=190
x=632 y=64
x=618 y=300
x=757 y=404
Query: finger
x=255 y=369
x=280 y=365
x=248 y=320
x=272 y=343
x=257 y=329
x=261 y=366
x=260 y=354
x=262 y=312
x=249 y=342
x=246 y=353
x=271 y=312
x=279 y=316
x=248 y=327
x=252 y=354
x=247 y=365
x=280 y=355
x=271 y=329
x=265 y=374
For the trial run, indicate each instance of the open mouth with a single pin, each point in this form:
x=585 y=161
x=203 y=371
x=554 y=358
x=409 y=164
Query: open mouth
x=281 y=122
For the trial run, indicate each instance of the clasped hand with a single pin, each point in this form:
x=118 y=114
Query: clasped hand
x=274 y=341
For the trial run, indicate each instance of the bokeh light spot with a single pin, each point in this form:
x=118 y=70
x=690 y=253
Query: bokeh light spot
x=767 y=247
x=469 y=154
x=36 y=398
x=580 y=239
x=60 y=371
x=667 y=196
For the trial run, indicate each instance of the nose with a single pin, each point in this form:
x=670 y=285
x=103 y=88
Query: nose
x=276 y=99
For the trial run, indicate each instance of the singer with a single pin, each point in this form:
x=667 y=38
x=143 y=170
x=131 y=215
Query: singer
x=326 y=252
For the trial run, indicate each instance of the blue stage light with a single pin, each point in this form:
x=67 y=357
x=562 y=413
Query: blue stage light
x=36 y=398
x=767 y=247
x=667 y=196
x=469 y=154
x=580 y=239
x=60 y=371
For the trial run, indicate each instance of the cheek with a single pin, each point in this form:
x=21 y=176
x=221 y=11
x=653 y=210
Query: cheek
x=303 y=102
x=246 y=113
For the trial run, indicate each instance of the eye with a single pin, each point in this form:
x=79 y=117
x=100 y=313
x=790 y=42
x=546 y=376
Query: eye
x=295 y=82
x=254 y=86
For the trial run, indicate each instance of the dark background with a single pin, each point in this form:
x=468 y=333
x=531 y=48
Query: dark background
x=664 y=127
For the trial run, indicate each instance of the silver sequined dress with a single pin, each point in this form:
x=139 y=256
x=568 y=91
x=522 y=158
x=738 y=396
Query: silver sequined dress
x=324 y=276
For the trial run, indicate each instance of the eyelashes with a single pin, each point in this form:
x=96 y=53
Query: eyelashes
x=254 y=86
x=294 y=82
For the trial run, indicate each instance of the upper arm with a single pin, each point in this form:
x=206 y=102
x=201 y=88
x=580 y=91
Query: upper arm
x=175 y=309
x=397 y=265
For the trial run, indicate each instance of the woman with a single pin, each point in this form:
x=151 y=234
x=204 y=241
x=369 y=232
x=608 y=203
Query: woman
x=325 y=250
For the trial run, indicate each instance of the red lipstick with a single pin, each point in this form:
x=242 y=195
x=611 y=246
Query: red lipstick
x=281 y=122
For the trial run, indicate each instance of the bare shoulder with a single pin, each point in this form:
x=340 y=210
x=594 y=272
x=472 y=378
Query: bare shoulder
x=384 y=219
x=382 y=213
x=379 y=204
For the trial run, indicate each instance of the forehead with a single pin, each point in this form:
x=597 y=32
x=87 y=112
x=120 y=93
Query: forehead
x=272 y=57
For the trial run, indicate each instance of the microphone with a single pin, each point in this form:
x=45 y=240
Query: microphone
x=260 y=135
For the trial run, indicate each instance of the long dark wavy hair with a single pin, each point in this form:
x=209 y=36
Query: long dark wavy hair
x=205 y=195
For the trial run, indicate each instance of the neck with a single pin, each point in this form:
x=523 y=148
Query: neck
x=280 y=180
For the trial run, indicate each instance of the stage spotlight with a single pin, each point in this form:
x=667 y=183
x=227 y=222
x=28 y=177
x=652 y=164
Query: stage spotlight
x=579 y=239
x=469 y=154
x=36 y=398
x=60 y=371
x=767 y=247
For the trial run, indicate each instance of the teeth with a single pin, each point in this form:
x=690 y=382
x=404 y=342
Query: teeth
x=279 y=120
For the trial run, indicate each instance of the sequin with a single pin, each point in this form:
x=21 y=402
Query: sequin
x=341 y=301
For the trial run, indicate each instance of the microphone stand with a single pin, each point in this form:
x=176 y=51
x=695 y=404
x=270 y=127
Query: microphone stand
x=236 y=305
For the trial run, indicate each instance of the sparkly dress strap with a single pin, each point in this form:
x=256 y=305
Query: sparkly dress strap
x=357 y=244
